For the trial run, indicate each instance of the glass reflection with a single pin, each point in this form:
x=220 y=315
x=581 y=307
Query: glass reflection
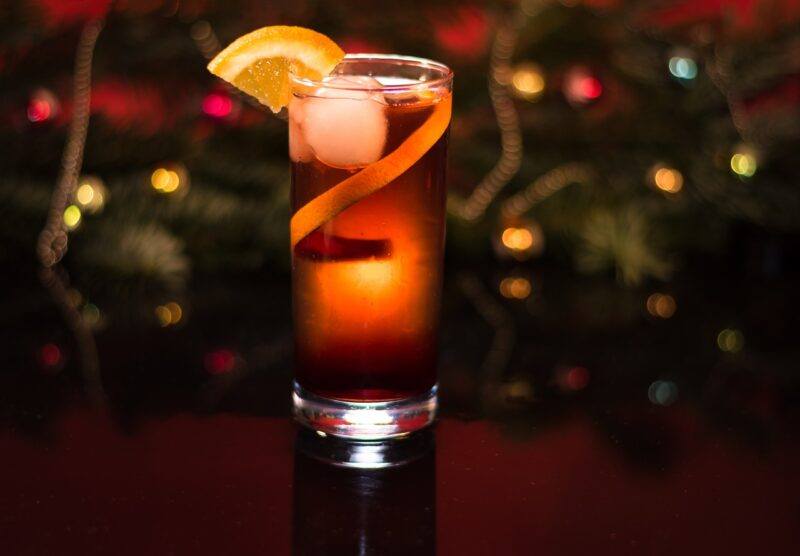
x=364 y=497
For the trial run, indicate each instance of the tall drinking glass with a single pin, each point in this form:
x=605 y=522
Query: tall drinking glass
x=368 y=146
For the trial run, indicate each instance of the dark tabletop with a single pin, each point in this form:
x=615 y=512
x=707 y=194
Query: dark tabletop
x=573 y=421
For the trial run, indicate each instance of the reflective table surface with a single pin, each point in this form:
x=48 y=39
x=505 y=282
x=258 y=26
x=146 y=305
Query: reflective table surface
x=577 y=419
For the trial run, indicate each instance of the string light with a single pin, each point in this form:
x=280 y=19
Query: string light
x=499 y=318
x=528 y=81
x=169 y=314
x=544 y=186
x=53 y=240
x=91 y=194
x=730 y=340
x=515 y=287
x=72 y=217
x=474 y=207
x=204 y=37
x=661 y=305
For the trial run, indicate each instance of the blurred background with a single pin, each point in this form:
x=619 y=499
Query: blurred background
x=623 y=216
x=621 y=312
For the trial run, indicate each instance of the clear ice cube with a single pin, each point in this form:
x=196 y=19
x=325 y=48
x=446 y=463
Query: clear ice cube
x=342 y=128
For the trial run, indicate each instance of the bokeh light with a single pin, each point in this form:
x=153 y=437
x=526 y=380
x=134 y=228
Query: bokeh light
x=683 y=67
x=74 y=297
x=663 y=392
x=572 y=379
x=528 y=81
x=515 y=287
x=518 y=239
x=91 y=194
x=91 y=315
x=518 y=391
x=730 y=340
x=42 y=106
x=169 y=314
x=221 y=361
x=744 y=164
x=581 y=86
x=667 y=179
x=661 y=305
x=72 y=217
x=522 y=240
x=170 y=178
x=217 y=105
x=49 y=356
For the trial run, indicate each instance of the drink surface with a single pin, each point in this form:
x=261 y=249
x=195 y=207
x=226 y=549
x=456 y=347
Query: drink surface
x=367 y=283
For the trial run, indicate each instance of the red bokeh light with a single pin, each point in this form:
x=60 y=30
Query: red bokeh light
x=217 y=105
x=39 y=110
x=577 y=378
x=49 y=356
x=463 y=32
x=220 y=361
x=572 y=379
x=581 y=85
x=590 y=88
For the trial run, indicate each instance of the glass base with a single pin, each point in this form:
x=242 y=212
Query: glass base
x=364 y=420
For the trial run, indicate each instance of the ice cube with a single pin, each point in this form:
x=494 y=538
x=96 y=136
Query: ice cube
x=299 y=149
x=345 y=128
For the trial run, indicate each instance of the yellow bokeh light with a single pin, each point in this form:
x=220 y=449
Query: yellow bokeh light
x=165 y=181
x=743 y=164
x=517 y=239
x=169 y=314
x=163 y=315
x=72 y=217
x=175 y=311
x=85 y=194
x=519 y=390
x=528 y=81
x=91 y=314
x=515 y=287
x=90 y=194
x=173 y=183
x=668 y=179
x=730 y=340
x=159 y=179
x=661 y=305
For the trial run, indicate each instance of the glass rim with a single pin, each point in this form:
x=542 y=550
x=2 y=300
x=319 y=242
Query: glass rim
x=397 y=59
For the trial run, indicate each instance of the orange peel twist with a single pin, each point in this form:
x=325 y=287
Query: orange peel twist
x=325 y=207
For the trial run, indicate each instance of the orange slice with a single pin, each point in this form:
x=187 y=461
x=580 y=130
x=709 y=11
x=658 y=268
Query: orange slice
x=259 y=63
x=346 y=193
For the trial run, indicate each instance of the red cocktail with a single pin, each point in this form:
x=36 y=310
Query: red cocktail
x=368 y=146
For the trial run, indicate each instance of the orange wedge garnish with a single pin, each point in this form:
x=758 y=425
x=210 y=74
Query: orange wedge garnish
x=259 y=63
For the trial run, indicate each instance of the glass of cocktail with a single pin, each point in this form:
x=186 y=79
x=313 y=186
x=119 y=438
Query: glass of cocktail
x=368 y=147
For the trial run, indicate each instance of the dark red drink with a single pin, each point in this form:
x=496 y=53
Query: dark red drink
x=368 y=201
